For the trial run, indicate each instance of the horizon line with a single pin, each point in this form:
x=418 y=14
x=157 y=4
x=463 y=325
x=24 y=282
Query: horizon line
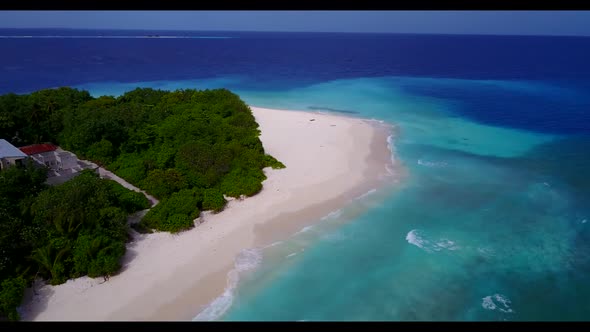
x=290 y=31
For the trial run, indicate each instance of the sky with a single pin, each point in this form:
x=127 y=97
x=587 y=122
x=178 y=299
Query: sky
x=575 y=23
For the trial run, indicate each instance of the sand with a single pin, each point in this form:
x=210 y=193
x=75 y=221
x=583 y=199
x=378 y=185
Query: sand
x=329 y=160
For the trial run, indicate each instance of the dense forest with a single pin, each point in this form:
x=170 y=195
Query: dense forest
x=191 y=149
x=74 y=229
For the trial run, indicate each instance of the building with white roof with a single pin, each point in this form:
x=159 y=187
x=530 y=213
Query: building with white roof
x=10 y=155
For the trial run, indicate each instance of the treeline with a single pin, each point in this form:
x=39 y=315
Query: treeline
x=188 y=148
x=181 y=146
x=74 y=229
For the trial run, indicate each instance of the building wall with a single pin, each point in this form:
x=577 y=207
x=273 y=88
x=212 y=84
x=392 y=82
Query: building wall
x=68 y=160
x=56 y=160
x=48 y=159
x=10 y=161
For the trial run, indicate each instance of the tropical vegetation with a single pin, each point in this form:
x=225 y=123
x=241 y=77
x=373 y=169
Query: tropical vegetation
x=191 y=149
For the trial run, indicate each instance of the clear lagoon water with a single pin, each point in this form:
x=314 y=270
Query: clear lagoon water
x=491 y=222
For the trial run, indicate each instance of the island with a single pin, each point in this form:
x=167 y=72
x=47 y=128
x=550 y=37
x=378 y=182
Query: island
x=74 y=247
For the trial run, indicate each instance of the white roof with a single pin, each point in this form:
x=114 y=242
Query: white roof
x=9 y=150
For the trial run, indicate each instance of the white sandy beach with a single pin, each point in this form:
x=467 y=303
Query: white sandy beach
x=173 y=277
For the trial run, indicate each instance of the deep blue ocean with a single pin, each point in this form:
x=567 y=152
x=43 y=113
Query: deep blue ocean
x=491 y=222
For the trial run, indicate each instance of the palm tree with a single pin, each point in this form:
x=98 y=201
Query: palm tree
x=46 y=259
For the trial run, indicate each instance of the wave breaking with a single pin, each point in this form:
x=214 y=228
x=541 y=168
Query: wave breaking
x=246 y=260
x=497 y=302
x=418 y=238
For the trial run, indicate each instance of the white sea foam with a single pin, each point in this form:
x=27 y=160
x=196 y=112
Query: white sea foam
x=446 y=244
x=220 y=305
x=272 y=244
x=291 y=255
x=504 y=301
x=390 y=147
x=418 y=238
x=497 y=301
x=485 y=251
x=246 y=260
x=432 y=163
x=488 y=304
x=304 y=229
x=332 y=215
x=366 y=194
x=414 y=237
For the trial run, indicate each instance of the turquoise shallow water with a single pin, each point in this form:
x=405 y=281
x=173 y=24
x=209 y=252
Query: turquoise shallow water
x=490 y=224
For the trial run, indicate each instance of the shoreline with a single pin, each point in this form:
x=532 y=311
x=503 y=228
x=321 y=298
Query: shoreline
x=330 y=159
